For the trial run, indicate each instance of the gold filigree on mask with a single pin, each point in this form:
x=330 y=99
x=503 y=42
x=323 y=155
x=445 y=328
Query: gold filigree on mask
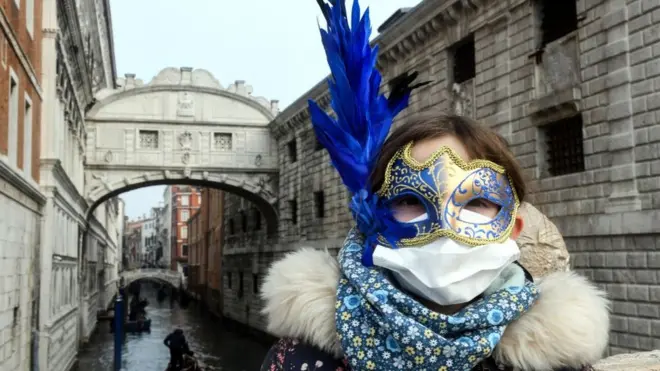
x=445 y=184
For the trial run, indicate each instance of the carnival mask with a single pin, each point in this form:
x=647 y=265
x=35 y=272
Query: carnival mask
x=444 y=185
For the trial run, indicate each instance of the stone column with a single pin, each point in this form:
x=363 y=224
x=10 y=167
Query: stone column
x=49 y=79
x=46 y=261
x=624 y=195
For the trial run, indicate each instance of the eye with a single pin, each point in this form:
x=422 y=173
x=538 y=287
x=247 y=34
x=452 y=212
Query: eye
x=407 y=208
x=483 y=207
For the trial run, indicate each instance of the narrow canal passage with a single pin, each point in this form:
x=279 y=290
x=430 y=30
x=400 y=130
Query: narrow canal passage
x=216 y=347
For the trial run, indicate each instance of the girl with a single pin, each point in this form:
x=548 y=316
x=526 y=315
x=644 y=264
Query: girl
x=429 y=279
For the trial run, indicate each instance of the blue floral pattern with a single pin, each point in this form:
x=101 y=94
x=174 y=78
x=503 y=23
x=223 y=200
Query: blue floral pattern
x=382 y=328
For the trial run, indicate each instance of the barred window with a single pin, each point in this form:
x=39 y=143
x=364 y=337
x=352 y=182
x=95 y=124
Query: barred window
x=319 y=204
x=244 y=221
x=292 y=148
x=255 y=283
x=222 y=141
x=464 y=64
x=229 y=283
x=257 y=219
x=317 y=144
x=149 y=139
x=293 y=208
x=565 y=146
x=232 y=227
x=558 y=19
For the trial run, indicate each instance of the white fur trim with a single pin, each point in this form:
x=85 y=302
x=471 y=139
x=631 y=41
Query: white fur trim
x=567 y=326
x=299 y=294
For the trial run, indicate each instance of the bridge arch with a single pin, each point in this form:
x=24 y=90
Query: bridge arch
x=183 y=127
x=168 y=277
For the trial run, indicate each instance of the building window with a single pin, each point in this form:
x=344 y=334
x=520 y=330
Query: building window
x=464 y=66
x=558 y=19
x=317 y=144
x=292 y=149
x=185 y=215
x=184 y=250
x=232 y=227
x=255 y=283
x=185 y=200
x=29 y=17
x=149 y=139
x=257 y=219
x=319 y=204
x=293 y=209
x=27 y=138
x=12 y=146
x=222 y=141
x=184 y=232
x=244 y=221
x=565 y=146
x=3 y=49
x=240 y=284
x=229 y=279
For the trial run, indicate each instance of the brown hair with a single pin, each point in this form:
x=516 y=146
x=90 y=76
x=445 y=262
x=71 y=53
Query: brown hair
x=480 y=141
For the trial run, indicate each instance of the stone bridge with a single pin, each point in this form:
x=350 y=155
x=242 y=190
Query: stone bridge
x=182 y=127
x=170 y=277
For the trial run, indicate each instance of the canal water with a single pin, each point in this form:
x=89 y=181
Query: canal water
x=216 y=347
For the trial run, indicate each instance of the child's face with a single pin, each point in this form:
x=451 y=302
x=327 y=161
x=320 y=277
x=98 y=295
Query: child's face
x=434 y=185
x=410 y=208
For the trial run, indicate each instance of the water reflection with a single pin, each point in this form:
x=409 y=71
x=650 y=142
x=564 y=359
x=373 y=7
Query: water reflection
x=216 y=347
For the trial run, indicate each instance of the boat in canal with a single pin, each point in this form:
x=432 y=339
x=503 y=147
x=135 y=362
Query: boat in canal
x=134 y=327
x=190 y=363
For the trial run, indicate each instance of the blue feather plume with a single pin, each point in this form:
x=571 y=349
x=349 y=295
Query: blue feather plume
x=363 y=119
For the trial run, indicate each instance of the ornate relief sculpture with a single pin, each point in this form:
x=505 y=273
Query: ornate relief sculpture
x=461 y=99
x=185 y=140
x=186 y=105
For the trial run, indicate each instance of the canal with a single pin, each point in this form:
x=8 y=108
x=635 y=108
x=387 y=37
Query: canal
x=216 y=347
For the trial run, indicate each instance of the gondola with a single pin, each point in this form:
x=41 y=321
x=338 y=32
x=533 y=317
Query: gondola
x=190 y=363
x=132 y=327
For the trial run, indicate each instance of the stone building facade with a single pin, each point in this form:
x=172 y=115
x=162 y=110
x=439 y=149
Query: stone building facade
x=21 y=201
x=575 y=88
x=205 y=242
x=184 y=202
x=80 y=247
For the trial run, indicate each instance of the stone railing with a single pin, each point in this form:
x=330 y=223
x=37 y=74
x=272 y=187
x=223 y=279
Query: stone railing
x=643 y=361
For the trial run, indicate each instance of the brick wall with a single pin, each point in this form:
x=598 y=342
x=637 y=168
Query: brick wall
x=21 y=54
x=605 y=73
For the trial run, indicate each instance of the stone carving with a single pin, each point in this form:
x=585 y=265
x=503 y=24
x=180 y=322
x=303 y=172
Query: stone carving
x=186 y=105
x=185 y=140
x=642 y=361
x=462 y=98
x=103 y=178
x=542 y=247
x=185 y=158
x=222 y=141
x=258 y=160
x=149 y=139
x=187 y=172
x=559 y=69
x=108 y=157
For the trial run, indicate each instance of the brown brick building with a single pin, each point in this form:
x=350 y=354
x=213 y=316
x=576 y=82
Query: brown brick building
x=20 y=84
x=185 y=201
x=205 y=249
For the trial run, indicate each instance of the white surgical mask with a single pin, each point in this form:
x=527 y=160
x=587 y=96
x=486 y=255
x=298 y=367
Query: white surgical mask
x=447 y=272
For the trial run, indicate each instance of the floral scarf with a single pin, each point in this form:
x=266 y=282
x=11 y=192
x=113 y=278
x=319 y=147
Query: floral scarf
x=382 y=328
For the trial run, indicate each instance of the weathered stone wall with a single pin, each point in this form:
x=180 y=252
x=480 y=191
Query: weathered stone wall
x=606 y=72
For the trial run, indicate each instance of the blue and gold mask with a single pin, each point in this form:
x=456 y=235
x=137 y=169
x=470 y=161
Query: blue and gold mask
x=445 y=184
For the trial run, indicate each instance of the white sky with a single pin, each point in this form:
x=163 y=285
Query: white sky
x=272 y=45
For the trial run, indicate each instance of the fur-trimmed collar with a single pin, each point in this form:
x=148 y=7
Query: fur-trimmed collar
x=567 y=327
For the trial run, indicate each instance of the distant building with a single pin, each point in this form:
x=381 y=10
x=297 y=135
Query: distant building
x=205 y=241
x=185 y=200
